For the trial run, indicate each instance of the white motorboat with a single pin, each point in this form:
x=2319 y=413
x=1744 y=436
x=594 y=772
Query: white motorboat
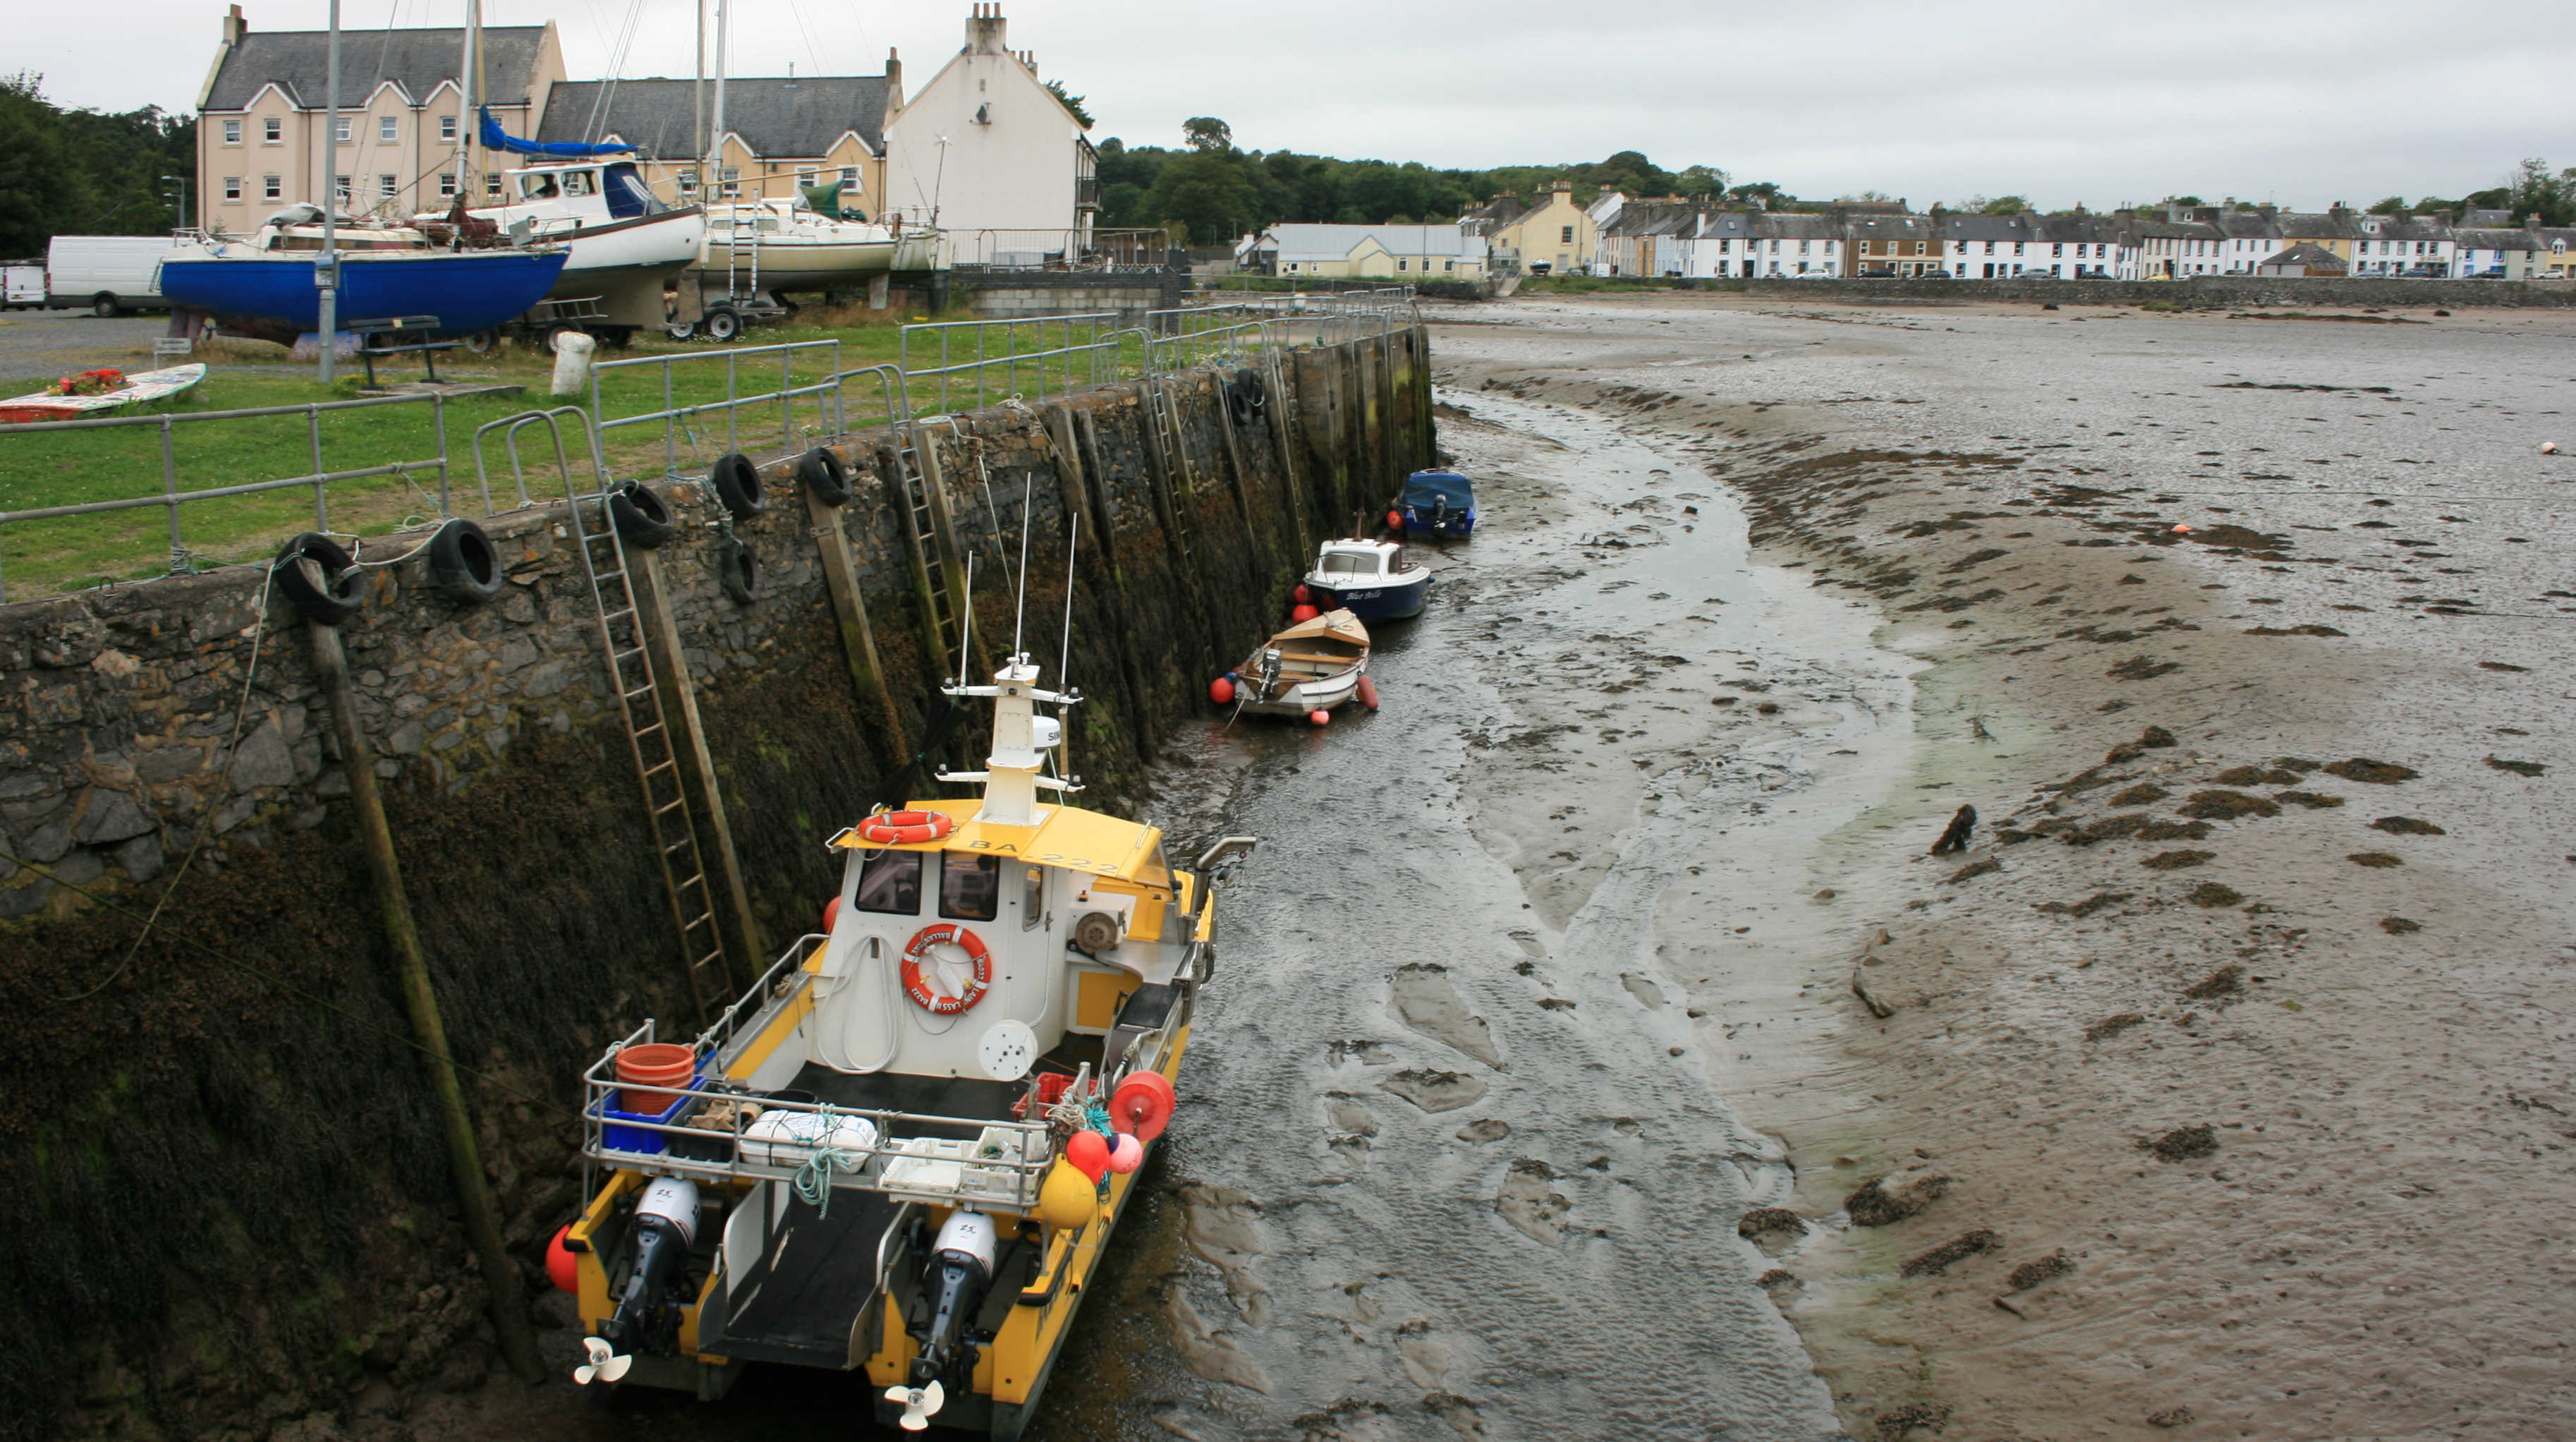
x=627 y=245
x=1374 y=580
x=1308 y=670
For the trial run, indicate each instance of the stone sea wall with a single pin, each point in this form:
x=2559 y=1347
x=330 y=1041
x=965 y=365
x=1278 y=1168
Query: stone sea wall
x=2208 y=292
x=230 y=1204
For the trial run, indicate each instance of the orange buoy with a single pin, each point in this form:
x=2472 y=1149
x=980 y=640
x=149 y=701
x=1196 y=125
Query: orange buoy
x=831 y=914
x=2182 y=530
x=1368 y=693
x=1304 y=613
x=1221 y=691
x=562 y=1267
x=1303 y=593
x=1320 y=718
x=1142 y=1104
x=1395 y=520
x=906 y=828
x=1088 y=1153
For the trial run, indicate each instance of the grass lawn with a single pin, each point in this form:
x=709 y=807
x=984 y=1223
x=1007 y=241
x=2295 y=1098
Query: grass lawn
x=54 y=554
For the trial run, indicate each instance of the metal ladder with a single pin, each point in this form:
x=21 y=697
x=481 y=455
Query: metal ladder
x=741 y=238
x=657 y=760
x=921 y=530
x=1164 y=434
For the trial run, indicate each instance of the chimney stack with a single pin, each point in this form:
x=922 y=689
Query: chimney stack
x=235 y=27
x=985 y=29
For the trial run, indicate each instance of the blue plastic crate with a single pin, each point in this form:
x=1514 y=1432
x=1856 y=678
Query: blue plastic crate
x=637 y=1139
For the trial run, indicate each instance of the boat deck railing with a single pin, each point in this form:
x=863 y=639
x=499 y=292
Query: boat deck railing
x=914 y=1155
x=175 y=500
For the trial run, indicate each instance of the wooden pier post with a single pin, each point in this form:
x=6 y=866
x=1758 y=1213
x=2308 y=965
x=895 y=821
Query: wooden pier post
x=850 y=609
x=420 y=999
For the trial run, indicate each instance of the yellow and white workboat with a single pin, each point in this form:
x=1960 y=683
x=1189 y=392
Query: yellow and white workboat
x=904 y=1149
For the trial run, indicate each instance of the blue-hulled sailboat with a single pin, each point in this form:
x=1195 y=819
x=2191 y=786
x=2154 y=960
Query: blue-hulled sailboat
x=263 y=286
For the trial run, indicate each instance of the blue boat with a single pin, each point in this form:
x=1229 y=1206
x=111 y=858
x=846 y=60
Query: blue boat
x=263 y=287
x=1438 y=503
x=1373 y=580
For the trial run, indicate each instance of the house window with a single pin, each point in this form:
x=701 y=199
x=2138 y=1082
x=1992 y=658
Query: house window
x=688 y=182
x=1918 y=247
x=388 y=129
x=804 y=179
x=447 y=185
x=232 y=132
x=388 y=187
x=232 y=187
x=2057 y=250
x=346 y=128
x=1566 y=237
x=1990 y=247
x=1399 y=263
x=732 y=182
x=492 y=185
x=2016 y=251
x=271 y=130
x=447 y=127
x=850 y=178
x=269 y=189
x=340 y=187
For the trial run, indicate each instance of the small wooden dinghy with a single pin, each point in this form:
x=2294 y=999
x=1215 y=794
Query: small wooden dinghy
x=147 y=386
x=1307 y=670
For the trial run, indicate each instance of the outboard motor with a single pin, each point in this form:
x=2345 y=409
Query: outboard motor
x=666 y=1224
x=960 y=1272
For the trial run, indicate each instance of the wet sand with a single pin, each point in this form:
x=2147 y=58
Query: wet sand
x=2223 y=1078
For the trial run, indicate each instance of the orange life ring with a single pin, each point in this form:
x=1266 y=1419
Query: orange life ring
x=919 y=989
x=906 y=828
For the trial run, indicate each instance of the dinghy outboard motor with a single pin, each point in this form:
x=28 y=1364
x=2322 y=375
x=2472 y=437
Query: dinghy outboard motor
x=959 y=1274
x=666 y=1223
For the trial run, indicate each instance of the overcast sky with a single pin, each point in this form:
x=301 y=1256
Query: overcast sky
x=2297 y=102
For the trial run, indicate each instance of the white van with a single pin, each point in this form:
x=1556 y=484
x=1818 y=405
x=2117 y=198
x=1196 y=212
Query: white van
x=22 y=284
x=111 y=274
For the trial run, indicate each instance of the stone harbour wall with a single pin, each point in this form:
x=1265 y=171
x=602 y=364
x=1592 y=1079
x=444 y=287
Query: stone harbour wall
x=230 y=1198
x=2207 y=292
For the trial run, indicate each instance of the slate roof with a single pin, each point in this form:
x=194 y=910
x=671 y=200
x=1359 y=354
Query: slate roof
x=2502 y=237
x=2246 y=225
x=2316 y=223
x=774 y=116
x=2307 y=253
x=1321 y=242
x=2076 y=229
x=417 y=60
x=1989 y=227
x=1653 y=217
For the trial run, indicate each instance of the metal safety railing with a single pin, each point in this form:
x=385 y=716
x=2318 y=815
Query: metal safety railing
x=175 y=500
x=1065 y=348
x=1060 y=249
x=677 y=416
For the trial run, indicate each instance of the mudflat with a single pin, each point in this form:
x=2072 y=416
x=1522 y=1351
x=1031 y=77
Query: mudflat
x=2219 y=1084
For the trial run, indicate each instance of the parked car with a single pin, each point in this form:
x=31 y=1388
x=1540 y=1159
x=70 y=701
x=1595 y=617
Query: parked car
x=22 y=284
x=2036 y=274
x=1934 y=275
x=111 y=274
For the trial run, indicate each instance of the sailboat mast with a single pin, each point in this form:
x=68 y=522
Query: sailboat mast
x=716 y=132
x=698 y=101
x=326 y=266
x=465 y=90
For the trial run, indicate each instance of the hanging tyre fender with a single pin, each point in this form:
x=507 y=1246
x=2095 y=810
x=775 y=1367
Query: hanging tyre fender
x=738 y=485
x=738 y=571
x=825 y=478
x=642 y=519
x=463 y=564
x=319 y=578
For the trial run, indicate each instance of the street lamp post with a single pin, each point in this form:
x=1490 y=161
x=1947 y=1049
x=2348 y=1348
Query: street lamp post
x=182 y=182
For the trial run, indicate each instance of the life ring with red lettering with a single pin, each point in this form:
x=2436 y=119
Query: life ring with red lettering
x=918 y=987
x=906 y=828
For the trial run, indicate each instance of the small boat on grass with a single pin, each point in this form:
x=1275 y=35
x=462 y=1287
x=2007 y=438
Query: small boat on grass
x=1310 y=670
x=1438 y=503
x=1373 y=580
x=90 y=393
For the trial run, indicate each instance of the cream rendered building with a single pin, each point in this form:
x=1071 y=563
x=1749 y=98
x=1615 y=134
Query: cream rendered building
x=402 y=128
x=1557 y=238
x=985 y=149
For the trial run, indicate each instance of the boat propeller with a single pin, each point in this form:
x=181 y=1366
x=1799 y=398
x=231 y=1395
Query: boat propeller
x=604 y=1364
x=920 y=1404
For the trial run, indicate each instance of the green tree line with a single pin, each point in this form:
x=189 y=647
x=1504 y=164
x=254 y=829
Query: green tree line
x=1217 y=193
x=80 y=172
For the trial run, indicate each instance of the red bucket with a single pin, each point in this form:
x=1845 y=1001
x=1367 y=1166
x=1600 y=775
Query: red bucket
x=647 y=1069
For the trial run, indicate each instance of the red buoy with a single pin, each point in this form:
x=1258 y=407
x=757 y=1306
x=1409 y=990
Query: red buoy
x=1304 y=613
x=1395 y=520
x=1302 y=594
x=1221 y=691
x=562 y=1267
x=1088 y=1153
x=1142 y=1104
x=832 y=908
x=1368 y=693
x=1320 y=718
